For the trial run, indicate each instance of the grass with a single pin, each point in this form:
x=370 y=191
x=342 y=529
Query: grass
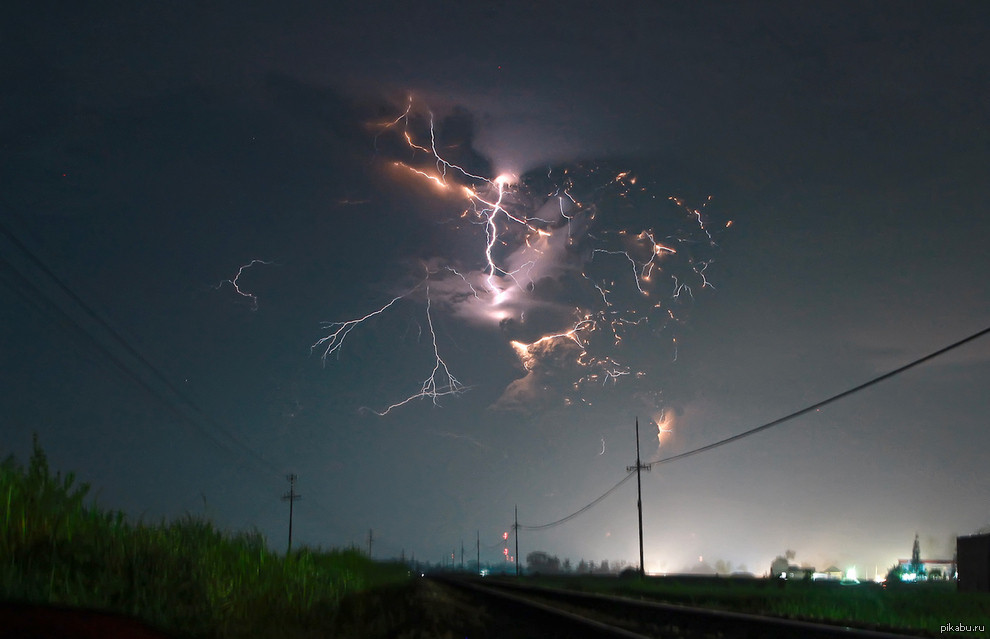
x=184 y=577
x=918 y=608
x=189 y=579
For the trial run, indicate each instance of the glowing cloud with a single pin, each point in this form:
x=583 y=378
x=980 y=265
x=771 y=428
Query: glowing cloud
x=591 y=253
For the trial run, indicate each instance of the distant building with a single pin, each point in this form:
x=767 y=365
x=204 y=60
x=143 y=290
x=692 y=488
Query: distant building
x=918 y=569
x=930 y=568
x=973 y=563
x=832 y=573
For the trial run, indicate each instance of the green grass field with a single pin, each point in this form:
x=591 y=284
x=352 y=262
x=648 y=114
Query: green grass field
x=189 y=579
x=183 y=577
x=921 y=607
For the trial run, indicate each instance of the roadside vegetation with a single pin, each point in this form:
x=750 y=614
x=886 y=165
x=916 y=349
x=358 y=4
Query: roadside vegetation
x=185 y=577
x=919 y=607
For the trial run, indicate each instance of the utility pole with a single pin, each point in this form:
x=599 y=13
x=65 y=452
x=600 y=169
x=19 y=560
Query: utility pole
x=371 y=538
x=462 y=555
x=290 y=497
x=478 y=550
x=515 y=528
x=639 y=499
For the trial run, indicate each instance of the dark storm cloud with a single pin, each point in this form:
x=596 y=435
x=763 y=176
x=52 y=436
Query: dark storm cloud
x=607 y=231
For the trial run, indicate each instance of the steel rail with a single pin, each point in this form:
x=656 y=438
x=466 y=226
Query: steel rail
x=590 y=627
x=638 y=611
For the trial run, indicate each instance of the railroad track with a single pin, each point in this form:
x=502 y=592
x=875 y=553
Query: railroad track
x=562 y=613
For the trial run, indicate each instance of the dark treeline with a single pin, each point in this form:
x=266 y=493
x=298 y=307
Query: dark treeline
x=541 y=562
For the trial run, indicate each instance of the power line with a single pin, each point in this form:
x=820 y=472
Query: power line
x=44 y=305
x=584 y=509
x=117 y=338
x=766 y=426
x=193 y=414
x=824 y=402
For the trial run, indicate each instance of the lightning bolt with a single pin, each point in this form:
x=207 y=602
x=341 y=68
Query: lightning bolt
x=236 y=285
x=522 y=239
x=338 y=331
x=440 y=382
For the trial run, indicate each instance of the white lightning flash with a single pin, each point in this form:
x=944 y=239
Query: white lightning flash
x=235 y=284
x=537 y=228
x=439 y=383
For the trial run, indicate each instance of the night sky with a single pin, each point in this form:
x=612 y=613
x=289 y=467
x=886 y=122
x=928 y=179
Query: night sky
x=828 y=165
